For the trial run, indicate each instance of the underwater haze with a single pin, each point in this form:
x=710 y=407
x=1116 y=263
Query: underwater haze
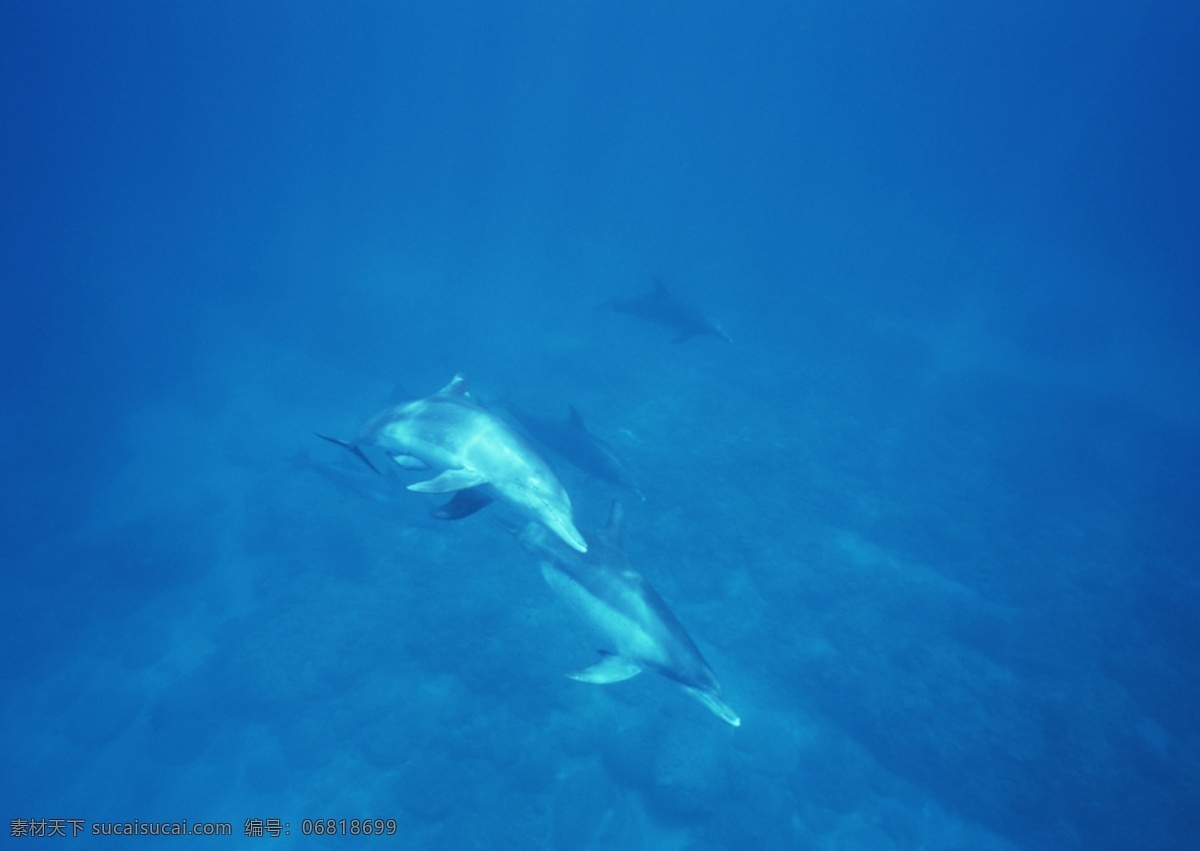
x=929 y=512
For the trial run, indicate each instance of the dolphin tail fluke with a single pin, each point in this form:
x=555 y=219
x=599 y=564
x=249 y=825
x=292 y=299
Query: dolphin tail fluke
x=462 y=504
x=610 y=669
x=350 y=447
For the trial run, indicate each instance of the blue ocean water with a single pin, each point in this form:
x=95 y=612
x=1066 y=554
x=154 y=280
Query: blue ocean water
x=930 y=516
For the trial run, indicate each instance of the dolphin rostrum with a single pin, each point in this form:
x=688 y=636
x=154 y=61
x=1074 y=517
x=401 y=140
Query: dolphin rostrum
x=575 y=442
x=661 y=307
x=477 y=455
x=626 y=611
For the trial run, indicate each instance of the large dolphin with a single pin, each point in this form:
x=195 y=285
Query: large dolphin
x=477 y=455
x=626 y=611
x=661 y=307
x=575 y=442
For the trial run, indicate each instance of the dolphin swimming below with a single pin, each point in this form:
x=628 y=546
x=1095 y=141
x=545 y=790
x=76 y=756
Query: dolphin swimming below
x=661 y=307
x=574 y=442
x=626 y=611
x=378 y=487
x=477 y=454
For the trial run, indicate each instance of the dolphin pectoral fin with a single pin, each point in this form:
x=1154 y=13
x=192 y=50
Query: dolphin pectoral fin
x=616 y=524
x=511 y=527
x=457 y=479
x=357 y=450
x=717 y=706
x=409 y=462
x=610 y=669
x=462 y=504
x=575 y=421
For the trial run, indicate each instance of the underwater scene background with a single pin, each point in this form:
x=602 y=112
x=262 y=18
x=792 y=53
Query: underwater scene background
x=930 y=515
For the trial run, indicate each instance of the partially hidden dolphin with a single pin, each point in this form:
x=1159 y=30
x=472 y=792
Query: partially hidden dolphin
x=477 y=454
x=661 y=307
x=626 y=611
x=353 y=480
x=575 y=442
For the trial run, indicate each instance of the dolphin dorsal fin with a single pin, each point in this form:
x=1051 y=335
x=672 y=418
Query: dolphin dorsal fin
x=458 y=386
x=616 y=525
x=660 y=289
x=350 y=447
x=574 y=420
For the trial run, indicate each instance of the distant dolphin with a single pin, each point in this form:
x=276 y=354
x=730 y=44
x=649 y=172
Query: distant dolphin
x=478 y=454
x=571 y=439
x=663 y=308
x=626 y=611
x=353 y=481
